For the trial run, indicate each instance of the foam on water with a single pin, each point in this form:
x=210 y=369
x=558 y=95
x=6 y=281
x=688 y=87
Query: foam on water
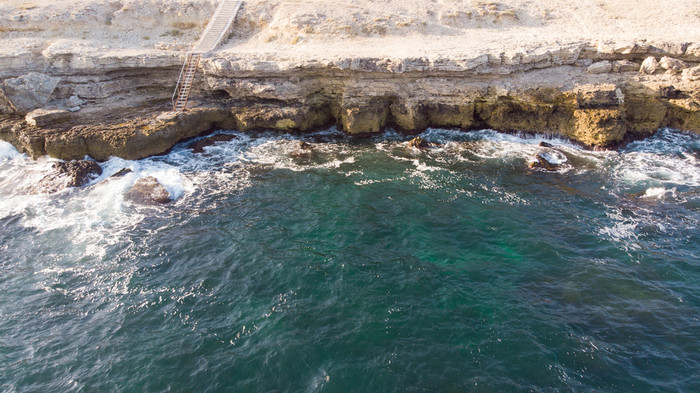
x=473 y=194
x=668 y=158
x=7 y=151
x=656 y=167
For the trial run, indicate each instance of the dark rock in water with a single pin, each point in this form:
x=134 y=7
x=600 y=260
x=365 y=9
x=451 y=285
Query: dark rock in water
x=305 y=150
x=545 y=144
x=198 y=147
x=418 y=143
x=147 y=191
x=78 y=172
x=304 y=145
x=122 y=172
x=544 y=163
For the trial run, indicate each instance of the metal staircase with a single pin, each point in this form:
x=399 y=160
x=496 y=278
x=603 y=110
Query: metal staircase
x=213 y=34
x=184 y=82
x=218 y=26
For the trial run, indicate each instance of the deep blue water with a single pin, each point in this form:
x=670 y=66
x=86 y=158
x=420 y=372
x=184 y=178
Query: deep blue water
x=364 y=266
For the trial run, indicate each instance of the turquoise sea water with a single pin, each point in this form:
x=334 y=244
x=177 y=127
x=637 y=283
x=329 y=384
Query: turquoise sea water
x=364 y=266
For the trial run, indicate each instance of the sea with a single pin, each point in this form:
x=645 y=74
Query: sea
x=358 y=265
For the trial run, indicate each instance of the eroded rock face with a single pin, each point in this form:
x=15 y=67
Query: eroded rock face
x=46 y=117
x=147 y=191
x=27 y=92
x=555 y=90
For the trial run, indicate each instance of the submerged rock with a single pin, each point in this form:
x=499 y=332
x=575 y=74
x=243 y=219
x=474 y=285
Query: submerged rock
x=198 y=147
x=147 y=191
x=545 y=144
x=78 y=172
x=304 y=150
x=122 y=172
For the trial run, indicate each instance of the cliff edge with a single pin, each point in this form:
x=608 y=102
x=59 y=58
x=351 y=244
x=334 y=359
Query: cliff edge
x=85 y=77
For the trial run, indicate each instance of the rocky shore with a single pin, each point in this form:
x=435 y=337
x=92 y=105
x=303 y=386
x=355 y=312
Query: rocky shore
x=69 y=97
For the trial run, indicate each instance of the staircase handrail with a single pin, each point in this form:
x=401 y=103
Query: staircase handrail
x=179 y=79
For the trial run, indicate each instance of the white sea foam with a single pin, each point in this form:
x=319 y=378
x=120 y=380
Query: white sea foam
x=97 y=215
x=7 y=151
x=656 y=192
x=668 y=158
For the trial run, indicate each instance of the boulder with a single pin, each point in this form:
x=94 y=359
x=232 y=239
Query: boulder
x=198 y=147
x=47 y=117
x=649 y=65
x=671 y=64
x=624 y=66
x=601 y=67
x=418 y=143
x=78 y=172
x=545 y=162
x=28 y=92
x=545 y=144
x=147 y=191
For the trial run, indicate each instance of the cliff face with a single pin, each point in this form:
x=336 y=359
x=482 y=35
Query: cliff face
x=69 y=98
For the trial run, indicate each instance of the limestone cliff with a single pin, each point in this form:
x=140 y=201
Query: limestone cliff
x=71 y=98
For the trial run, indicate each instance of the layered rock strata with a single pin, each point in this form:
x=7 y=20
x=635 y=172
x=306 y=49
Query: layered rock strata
x=70 y=100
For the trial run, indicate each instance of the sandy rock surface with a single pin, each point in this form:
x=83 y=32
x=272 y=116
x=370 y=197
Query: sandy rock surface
x=327 y=29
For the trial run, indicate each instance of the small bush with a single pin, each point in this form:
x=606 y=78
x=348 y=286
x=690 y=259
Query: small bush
x=172 y=33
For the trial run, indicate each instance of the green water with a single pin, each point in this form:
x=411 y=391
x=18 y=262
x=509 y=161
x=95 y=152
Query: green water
x=364 y=266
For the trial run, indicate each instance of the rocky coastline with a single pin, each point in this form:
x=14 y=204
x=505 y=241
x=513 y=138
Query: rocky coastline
x=74 y=102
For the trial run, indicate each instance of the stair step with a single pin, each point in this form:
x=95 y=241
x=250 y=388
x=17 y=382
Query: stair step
x=220 y=22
